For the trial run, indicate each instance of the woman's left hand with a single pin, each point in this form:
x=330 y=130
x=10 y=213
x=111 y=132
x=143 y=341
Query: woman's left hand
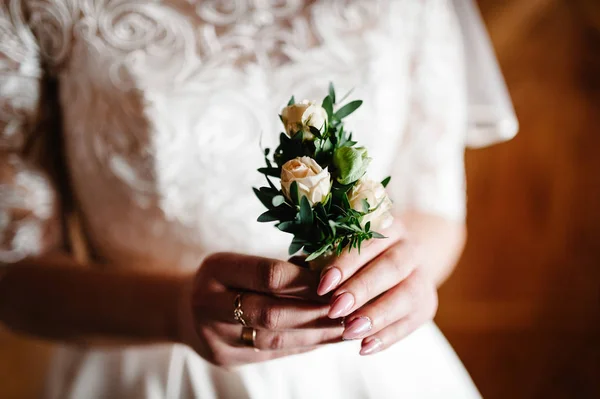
x=384 y=292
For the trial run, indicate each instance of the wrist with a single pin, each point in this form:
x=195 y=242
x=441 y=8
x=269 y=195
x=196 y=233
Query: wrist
x=182 y=322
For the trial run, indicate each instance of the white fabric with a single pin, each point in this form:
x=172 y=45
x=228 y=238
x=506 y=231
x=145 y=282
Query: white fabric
x=491 y=113
x=163 y=105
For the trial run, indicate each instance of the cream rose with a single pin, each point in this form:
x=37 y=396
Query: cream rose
x=299 y=117
x=313 y=181
x=376 y=196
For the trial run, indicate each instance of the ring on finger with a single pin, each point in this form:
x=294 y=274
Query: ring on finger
x=238 y=313
x=248 y=337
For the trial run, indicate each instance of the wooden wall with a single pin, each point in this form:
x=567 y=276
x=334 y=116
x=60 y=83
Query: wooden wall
x=523 y=308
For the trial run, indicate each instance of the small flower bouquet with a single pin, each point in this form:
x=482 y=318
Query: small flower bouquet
x=326 y=201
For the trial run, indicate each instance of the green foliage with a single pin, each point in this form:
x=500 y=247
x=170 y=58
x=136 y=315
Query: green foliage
x=386 y=181
x=348 y=109
x=331 y=225
x=332 y=92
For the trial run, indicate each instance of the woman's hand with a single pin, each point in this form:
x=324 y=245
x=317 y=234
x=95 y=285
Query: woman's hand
x=271 y=292
x=384 y=293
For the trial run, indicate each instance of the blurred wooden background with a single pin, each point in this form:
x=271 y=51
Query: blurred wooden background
x=523 y=308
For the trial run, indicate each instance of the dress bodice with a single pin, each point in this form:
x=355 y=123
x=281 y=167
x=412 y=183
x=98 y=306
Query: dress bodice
x=166 y=103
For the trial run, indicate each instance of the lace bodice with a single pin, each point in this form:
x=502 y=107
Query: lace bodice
x=164 y=104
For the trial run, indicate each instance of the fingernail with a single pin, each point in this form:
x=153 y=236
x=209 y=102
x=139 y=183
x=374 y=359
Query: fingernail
x=357 y=328
x=329 y=281
x=341 y=306
x=372 y=345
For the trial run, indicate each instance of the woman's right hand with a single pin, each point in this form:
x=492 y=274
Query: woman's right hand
x=279 y=300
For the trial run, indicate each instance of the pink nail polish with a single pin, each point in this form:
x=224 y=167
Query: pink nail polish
x=341 y=306
x=370 y=346
x=329 y=281
x=357 y=328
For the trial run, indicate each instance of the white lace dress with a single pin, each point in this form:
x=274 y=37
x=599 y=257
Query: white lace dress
x=163 y=104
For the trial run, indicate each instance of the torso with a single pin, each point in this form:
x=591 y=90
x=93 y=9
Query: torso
x=165 y=105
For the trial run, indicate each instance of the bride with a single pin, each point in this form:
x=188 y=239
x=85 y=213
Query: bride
x=129 y=142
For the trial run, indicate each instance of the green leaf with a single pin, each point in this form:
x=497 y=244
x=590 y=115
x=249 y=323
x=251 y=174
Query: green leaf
x=268 y=216
x=365 y=205
x=318 y=253
x=294 y=193
x=332 y=92
x=386 y=181
x=326 y=145
x=320 y=209
x=328 y=106
x=287 y=227
x=292 y=101
x=295 y=246
x=348 y=109
x=273 y=172
x=345 y=96
x=377 y=235
x=278 y=200
x=306 y=213
x=346 y=202
x=271 y=185
x=316 y=132
x=368 y=227
x=264 y=197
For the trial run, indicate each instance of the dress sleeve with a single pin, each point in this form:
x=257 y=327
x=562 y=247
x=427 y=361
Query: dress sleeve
x=428 y=173
x=28 y=204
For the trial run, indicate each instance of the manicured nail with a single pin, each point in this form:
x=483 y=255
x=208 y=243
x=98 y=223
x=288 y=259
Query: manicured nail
x=341 y=306
x=357 y=328
x=372 y=345
x=329 y=281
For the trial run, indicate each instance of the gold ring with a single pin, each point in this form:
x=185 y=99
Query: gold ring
x=248 y=337
x=238 y=313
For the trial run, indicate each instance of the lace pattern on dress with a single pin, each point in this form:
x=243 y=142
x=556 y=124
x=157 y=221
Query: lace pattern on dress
x=164 y=102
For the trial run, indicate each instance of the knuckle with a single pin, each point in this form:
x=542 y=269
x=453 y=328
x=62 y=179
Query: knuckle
x=396 y=260
x=402 y=260
x=272 y=275
x=276 y=342
x=213 y=260
x=415 y=285
x=270 y=318
x=361 y=289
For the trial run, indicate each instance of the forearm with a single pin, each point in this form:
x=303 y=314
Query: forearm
x=55 y=299
x=440 y=241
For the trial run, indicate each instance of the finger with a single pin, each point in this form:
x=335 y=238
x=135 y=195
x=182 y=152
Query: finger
x=349 y=262
x=264 y=275
x=278 y=340
x=266 y=312
x=282 y=340
x=389 y=336
x=222 y=354
x=413 y=298
x=384 y=272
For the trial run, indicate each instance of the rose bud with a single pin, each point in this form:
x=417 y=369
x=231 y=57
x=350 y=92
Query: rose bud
x=351 y=163
x=300 y=117
x=379 y=202
x=313 y=181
